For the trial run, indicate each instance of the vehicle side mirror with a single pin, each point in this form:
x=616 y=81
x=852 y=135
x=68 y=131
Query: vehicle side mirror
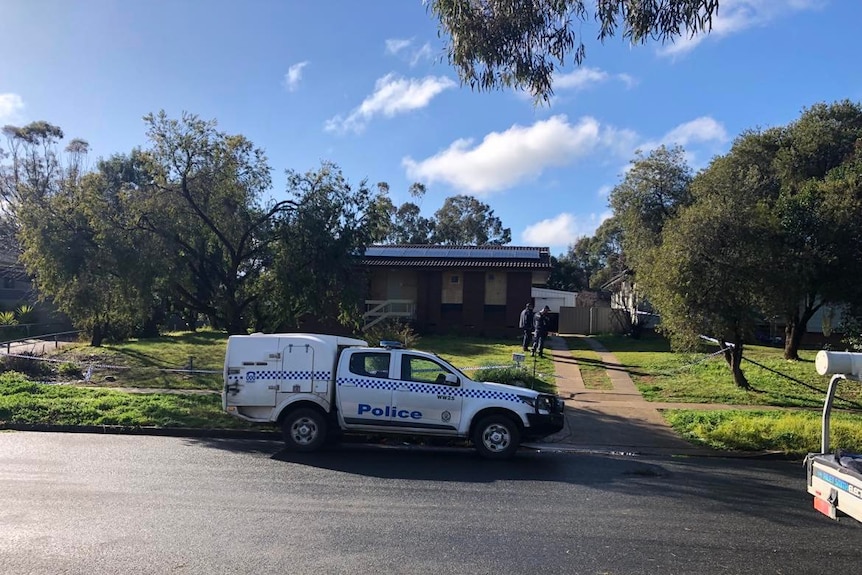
x=451 y=379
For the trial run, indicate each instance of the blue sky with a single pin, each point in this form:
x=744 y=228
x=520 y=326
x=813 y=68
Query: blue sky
x=365 y=85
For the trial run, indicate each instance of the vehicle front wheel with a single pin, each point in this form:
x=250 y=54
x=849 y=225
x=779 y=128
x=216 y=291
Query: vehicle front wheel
x=496 y=437
x=304 y=429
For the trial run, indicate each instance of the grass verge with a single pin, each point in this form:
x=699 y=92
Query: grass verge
x=23 y=401
x=662 y=375
x=792 y=432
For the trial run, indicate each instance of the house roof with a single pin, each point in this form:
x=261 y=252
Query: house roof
x=435 y=256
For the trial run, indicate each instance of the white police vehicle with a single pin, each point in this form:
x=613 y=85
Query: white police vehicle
x=317 y=386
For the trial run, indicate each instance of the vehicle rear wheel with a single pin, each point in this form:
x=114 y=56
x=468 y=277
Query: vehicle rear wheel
x=496 y=437
x=304 y=429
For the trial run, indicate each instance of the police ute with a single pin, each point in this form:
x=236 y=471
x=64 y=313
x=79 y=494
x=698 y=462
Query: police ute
x=316 y=387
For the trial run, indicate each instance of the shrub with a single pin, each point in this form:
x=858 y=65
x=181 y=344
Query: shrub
x=27 y=363
x=69 y=369
x=512 y=376
x=392 y=330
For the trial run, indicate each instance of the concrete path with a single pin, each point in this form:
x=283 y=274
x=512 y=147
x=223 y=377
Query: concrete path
x=615 y=420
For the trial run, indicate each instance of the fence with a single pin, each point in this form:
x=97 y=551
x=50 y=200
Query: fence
x=593 y=320
x=39 y=340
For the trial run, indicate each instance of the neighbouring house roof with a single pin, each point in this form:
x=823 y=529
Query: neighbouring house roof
x=433 y=256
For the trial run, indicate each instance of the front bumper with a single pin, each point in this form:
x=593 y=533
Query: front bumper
x=543 y=424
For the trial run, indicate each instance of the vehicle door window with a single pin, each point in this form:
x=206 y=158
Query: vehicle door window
x=370 y=364
x=423 y=370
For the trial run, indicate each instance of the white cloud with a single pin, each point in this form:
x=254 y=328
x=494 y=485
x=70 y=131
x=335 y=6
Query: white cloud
x=627 y=79
x=504 y=159
x=604 y=191
x=11 y=106
x=395 y=45
x=392 y=96
x=423 y=53
x=294 y=75
x=584 y=78
x=737 y=15
x=562 y=230
x=699 y=130
x=580 y=79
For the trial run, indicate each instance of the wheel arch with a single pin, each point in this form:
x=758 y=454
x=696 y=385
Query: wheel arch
x=481 y=414
x=300 y=404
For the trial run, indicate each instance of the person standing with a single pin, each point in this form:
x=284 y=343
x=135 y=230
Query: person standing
x=526 y=324
x=541 y=321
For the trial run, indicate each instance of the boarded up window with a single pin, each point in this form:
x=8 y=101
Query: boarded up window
x=495 y=288
x=453 y=291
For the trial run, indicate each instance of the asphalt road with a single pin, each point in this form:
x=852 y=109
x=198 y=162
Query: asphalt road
x=79 y=503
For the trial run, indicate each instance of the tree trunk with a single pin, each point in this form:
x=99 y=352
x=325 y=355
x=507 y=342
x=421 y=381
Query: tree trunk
x=795 y=327
x=792 y=338
x=733 y=357
x=97 y=336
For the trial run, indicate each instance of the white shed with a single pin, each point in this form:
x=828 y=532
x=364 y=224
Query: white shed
x=554 y=299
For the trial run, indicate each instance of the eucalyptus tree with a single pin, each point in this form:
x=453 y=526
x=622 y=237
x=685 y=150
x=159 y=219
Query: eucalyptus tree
x=464 y=220
x=522 y=43
x=205 y=202
x=312 y=271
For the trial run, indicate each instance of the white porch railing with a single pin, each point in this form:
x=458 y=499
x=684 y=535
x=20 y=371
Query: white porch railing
x=379 y=310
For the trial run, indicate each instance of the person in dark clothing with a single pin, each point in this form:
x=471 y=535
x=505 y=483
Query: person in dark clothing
x=541 y=321
x=526 y=324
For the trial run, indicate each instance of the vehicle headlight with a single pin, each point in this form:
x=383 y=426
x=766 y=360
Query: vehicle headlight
x=531 y=401
x=543 y=403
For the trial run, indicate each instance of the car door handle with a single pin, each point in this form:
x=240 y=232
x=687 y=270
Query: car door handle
x=275 y=387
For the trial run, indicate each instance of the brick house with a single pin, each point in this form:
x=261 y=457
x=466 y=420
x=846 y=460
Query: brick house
x=478 y=290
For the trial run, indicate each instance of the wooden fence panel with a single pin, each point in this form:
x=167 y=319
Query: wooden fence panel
x=593 y=320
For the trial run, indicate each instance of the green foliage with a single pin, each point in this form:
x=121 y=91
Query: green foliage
x=496 y=43
x=69 y=369
x=7 y=318
x=464 y=220
x=654 y=190
x=477 y=352
x=794 y=433
x=518 y=376
x=145 y=362
x=26 y=363
x=311 y=272
x=25 y=313
x=663 y=375
x=204 y=205
x=32 y=403
x=392 y=330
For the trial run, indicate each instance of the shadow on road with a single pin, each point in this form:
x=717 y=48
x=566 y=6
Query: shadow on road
x=739 y=485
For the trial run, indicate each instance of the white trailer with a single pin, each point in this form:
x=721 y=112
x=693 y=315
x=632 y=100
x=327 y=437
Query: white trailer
x=835 y=478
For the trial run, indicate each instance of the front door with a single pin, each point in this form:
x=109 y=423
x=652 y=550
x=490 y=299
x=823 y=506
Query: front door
x=423 y=397
x=366 y=391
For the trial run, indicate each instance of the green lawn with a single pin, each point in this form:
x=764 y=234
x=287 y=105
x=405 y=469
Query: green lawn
x=792 y=432
x=146 y=362
x=697 y=378
x=660 y=374
x=468 y=353
x=22 y=401
x=664 y=376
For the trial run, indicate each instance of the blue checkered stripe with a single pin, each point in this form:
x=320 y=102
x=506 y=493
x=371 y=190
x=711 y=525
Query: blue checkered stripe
x=428 y=388
x=277 y=375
